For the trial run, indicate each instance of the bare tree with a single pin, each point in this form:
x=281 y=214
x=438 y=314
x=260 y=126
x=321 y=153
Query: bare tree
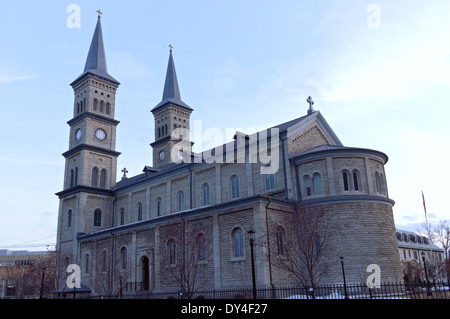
x=183 y=256
x=304 y=251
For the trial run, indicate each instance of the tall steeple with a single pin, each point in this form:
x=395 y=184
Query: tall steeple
x=171 y=93
x=96 y=59
x=172 y=116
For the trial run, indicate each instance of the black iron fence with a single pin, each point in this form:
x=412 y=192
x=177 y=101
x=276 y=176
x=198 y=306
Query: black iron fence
x=337 y=291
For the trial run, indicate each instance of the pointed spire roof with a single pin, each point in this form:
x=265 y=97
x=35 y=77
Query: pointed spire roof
x=96 y=59
x=171 y=93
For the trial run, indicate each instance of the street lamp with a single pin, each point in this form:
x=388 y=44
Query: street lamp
x=41 y=294
x=426 y=273
x=343 y=275
x=251 y=234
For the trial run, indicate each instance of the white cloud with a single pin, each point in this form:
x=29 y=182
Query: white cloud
x=8 y=79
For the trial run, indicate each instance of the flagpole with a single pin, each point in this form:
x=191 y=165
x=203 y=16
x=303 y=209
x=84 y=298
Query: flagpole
x=428 y=229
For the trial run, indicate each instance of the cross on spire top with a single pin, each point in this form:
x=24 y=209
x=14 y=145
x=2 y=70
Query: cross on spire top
x=99 y=13
x=171 y=47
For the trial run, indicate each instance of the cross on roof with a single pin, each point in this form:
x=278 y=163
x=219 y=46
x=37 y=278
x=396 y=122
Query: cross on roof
x=171 y=47
x=124 y=172
x=99 y=13
x=311 y=103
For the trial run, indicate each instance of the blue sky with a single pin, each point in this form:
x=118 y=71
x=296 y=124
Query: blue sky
x=377 y=70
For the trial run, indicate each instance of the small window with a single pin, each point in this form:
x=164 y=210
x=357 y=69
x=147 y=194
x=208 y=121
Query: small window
x=71 y=178
x=97 y=218
x=104 y=259
x=201 y=245
x=69 y=218
x=108 y=108
x=356 y=180
x=308 y=185
x=206 y=195
x=180 y=200
x=317 y=184
x=235 y=192
x=139 y=211
x=103 y=178
x=102 y=106
x=123 y=254
x=346 y=180
x=270 y=181
x=172 y=252
x=75 y=178
x=122 y=216
x=378 y=182
x=280 y=240
x=158 y=206
x=94 y=177
x=238 y=238
x=86 y=264
x=95 y=104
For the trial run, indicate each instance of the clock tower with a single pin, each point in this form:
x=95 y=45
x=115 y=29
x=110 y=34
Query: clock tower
x=91 y=161
x=172 y=116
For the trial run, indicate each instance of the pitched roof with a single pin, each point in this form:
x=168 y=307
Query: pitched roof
x=171 y=93
x=96 y=59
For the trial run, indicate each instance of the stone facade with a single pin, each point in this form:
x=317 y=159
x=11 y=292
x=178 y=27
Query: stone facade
x=192 y=215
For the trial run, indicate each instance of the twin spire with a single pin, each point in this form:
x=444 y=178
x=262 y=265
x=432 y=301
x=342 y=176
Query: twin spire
x=171 y=93
x=96 y=65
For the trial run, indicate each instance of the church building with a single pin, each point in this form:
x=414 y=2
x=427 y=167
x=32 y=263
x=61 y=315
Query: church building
x=194 y=221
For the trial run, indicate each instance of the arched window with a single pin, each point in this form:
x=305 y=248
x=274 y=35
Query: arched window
x=104 y=260
x=172 y=251
x=206 y=195
x=270 y=181
x=238 y=238
x=280 y=240
x=122 y=216
x=94 y=177
x=102 y=106
x=159 y=132
x=317 y=184
x=180 y=200
x=71 y=178
x=346 y=180
x=378 y=182
x=123 y=256
x=97 y=218
x=78 y=108
x=201 y=245
x=86 y=263
x=307 y=180
x=165 y=129
x=356 y=180
x=95 y=104
x=103 y=178
x=139 y=211
x=158 y=206
x=108 y=108
x=83 y=106
x=69 y=218
x=75 y=178
x=235 y=192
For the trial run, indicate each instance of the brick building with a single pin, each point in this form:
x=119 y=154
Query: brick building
x=185 y=220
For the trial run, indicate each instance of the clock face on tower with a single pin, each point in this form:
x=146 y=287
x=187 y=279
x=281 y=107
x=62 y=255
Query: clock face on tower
x=162 y=154
x=100 y=134
x=78 y=135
